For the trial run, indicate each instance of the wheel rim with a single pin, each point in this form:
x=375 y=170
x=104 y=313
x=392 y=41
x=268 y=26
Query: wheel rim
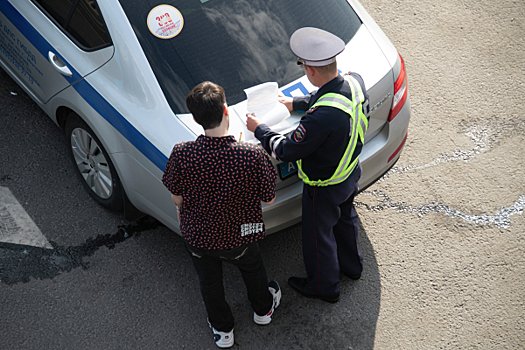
x=91 y=163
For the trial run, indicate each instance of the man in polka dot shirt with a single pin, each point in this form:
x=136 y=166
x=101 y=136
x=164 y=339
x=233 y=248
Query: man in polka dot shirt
x=217 y=185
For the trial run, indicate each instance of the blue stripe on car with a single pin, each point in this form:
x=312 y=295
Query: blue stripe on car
x=120 y=123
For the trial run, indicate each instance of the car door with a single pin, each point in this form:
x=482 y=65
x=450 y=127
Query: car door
x=47 y=45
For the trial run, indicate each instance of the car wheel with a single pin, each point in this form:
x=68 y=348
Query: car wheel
x=93 y=164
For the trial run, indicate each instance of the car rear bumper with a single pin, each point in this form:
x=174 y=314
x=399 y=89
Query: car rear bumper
x=380 y=153
x=285 y=210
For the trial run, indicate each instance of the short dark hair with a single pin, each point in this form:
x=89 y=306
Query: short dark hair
x=328 y=69
x=205 y=102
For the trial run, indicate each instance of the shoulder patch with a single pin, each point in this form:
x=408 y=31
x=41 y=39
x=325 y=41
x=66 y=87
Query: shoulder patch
x=312 y=109
x=299 y=133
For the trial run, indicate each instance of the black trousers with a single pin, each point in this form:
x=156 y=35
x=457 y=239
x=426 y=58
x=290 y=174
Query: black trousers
x=330 y=233
x=248 y=259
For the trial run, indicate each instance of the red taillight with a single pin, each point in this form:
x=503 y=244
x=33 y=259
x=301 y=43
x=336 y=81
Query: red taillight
x=400 y=92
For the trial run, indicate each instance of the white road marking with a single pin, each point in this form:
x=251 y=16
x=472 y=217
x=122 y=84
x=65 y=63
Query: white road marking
x=483 y=138
x=500 y=219
x=15 y=224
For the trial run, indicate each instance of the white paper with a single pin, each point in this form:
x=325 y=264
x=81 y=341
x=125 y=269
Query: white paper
x=263 y=102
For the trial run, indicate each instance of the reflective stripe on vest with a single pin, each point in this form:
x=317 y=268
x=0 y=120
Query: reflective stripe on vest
x=358 y=126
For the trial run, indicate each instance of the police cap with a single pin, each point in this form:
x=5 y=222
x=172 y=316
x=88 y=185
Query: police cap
x=316 y=47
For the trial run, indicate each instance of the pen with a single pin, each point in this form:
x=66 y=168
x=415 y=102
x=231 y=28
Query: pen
x=240 y=137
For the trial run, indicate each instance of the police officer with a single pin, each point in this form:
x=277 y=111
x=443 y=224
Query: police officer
x=326 y=146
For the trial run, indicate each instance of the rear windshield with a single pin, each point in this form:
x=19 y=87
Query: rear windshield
x=234 y=43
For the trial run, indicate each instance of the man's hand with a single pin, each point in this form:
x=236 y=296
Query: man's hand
x=287 y=101
x=270 y=202
x=178 y=203
x=252 y=122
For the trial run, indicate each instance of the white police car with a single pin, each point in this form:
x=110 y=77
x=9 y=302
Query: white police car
x=114 y=76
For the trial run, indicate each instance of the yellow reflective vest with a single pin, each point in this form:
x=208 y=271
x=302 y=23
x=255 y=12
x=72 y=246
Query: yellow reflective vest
x=358 y=126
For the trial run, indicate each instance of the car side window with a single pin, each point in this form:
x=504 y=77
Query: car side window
x=81 y=20
x=57 y=9
x=87 y=25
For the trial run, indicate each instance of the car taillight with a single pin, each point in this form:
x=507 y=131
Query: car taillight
x=400 y=91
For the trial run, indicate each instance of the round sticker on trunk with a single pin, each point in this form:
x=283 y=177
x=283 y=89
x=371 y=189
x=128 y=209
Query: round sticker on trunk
x=165 y=21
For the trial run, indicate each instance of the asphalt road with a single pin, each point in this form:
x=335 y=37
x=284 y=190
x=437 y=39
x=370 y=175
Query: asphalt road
x=442 y=234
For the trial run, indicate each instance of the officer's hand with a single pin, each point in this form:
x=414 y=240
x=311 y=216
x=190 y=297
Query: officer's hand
x=252 y=122
x=287 y=101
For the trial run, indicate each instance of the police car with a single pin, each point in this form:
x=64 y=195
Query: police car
x=114 y=75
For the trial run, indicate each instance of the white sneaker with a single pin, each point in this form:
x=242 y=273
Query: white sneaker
x=222 y=339
x=273 y=287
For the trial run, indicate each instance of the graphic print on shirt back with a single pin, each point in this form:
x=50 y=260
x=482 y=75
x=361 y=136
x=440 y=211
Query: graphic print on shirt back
x=251 y=228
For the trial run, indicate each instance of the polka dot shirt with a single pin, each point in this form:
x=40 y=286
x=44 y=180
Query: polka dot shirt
x=222 y=183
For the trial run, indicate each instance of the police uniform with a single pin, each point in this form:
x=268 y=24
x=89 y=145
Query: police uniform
x=322 y=139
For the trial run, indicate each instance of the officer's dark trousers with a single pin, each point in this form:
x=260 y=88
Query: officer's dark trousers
x=248 y=259
x=330 y=233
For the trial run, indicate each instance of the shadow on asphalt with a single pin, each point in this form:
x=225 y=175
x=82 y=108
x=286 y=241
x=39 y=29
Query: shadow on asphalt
x=18 y=263
x=300 y=323
x=314 y=324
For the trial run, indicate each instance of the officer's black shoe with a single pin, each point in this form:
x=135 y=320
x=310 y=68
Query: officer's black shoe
x=301 y=286
x=353 y=277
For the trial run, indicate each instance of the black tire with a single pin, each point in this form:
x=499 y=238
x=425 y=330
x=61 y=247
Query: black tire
x=93 y=165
